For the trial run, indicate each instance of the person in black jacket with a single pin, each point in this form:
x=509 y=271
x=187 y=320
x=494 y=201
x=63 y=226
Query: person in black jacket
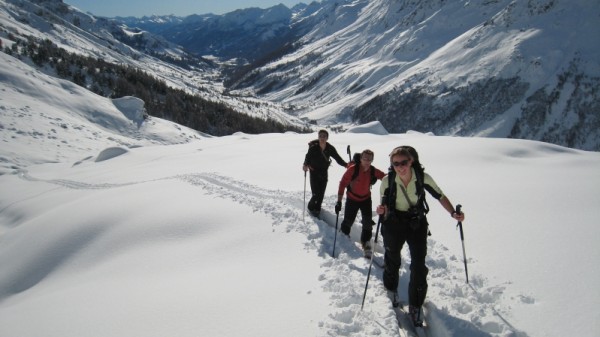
x=317 y=161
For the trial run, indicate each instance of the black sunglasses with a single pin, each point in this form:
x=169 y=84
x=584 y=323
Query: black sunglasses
x=401 y=163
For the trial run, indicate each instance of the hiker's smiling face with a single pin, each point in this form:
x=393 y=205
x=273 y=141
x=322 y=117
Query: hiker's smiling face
x=323 y=137
x=366 y=160
x=401 y=164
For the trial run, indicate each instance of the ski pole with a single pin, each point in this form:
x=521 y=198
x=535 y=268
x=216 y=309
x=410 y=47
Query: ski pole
x=462 y=239
x=337 y=216
x=304 y=209
x=371 y=263
x=348 y=151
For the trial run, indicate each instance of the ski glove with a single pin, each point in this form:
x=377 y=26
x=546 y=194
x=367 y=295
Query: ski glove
x=338 y=207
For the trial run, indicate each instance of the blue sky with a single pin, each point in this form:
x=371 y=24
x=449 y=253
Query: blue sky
x=140 y=8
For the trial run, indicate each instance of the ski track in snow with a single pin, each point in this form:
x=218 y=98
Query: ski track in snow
x=452 y=308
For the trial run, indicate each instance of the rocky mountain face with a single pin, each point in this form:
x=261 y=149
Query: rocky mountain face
x=525 y=69
x=245 y=33
x=104 y=38
x=496 y=68
x=250 y=35
x=545 y=89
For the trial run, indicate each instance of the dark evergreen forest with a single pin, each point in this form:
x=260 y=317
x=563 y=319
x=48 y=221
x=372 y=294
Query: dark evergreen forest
x=114 y=81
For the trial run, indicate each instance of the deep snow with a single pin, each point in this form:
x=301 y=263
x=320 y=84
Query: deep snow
x=110 y=228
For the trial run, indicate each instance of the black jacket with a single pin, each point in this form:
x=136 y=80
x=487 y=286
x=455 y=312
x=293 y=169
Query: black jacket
x=319 y=160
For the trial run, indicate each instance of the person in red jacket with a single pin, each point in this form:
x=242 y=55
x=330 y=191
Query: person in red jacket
x=358 y=197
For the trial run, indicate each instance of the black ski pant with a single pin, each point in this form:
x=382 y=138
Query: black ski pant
x=351 y=210
x=318 y=185
x=394 y=237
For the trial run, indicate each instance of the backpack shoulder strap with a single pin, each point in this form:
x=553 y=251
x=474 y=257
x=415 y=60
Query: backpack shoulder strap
x=354 y=175
x=373 y=177
x=420 y=185
x=391 y=190
x=356 y=171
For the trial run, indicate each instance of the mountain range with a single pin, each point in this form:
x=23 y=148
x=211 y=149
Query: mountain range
x=492 y=68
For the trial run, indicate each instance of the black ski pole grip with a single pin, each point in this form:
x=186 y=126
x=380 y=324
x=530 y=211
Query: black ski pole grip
x=458 y=207
x=384 y=202
x=348 y=151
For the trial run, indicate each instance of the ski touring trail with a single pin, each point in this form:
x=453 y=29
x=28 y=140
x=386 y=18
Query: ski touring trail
x=344 y=275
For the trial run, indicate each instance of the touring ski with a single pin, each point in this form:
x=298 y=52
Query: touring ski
x=405 y=322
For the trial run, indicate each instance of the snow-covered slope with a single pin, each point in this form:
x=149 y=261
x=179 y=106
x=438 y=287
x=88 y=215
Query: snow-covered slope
x=107 y=229
x=45 y=119
x=83 y=33
x=116 y=225
x=111 y=41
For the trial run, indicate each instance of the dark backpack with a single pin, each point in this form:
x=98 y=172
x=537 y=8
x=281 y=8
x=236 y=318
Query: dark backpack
x=314 y=143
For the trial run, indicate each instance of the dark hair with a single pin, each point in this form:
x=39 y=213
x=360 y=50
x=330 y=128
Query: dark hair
x=402 y=151
x=407 y=151
x=369 y=152
x=323 y=131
